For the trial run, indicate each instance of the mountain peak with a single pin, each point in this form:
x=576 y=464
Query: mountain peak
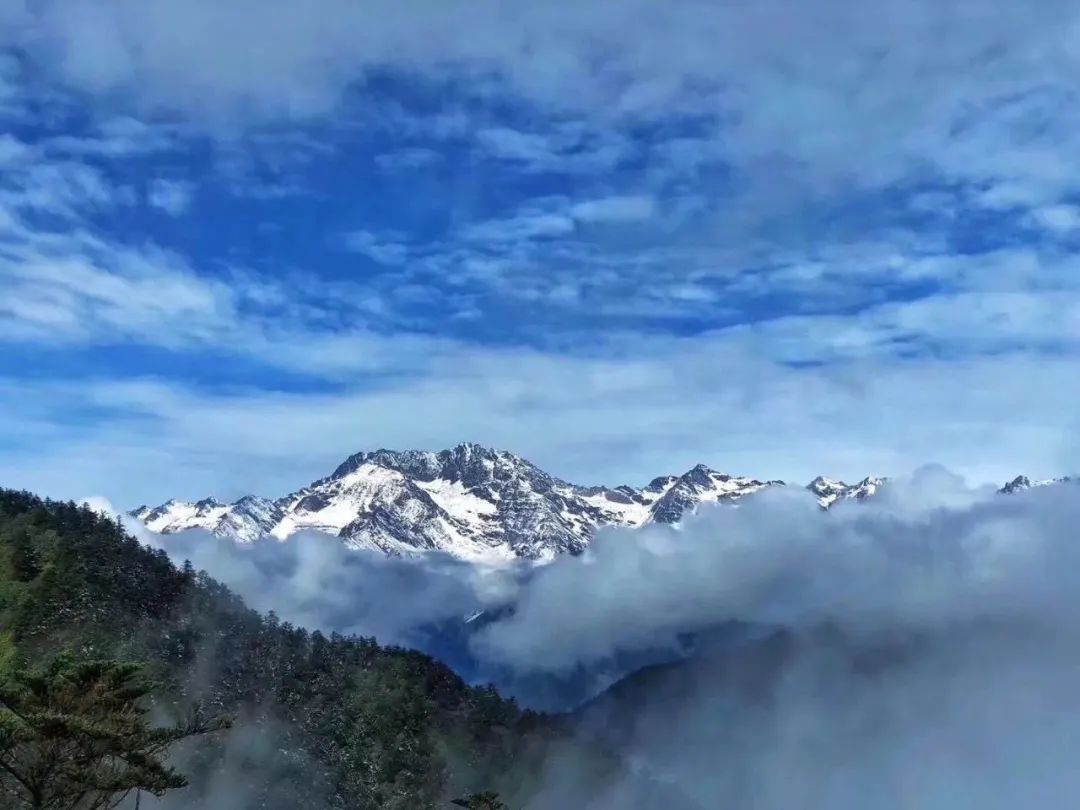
x=426 y=463
x=831 y=490
x=469 y=500
x=470 y=448
x=822 y=484
x=1022 y=482
x=478 y=503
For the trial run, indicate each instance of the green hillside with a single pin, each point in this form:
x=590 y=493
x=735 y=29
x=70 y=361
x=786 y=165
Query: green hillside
x=319 y=721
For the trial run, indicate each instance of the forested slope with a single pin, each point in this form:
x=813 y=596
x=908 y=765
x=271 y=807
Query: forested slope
x=320 y=721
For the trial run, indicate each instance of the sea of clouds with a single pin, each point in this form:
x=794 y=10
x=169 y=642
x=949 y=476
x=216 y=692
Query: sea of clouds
x=972 y=599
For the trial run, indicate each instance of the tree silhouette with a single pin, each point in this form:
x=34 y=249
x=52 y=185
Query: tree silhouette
x=75 y=736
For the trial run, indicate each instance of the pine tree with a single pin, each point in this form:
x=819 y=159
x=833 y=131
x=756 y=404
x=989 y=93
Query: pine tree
x=75 y=735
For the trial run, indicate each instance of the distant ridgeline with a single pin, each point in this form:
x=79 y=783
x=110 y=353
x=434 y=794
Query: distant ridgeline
x=319 y=721
x=469 y=501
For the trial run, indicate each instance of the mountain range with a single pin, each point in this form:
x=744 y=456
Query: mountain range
x=470 y=501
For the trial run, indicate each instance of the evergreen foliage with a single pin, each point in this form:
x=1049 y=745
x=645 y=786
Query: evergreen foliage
x=322 y=721
x=75 y=736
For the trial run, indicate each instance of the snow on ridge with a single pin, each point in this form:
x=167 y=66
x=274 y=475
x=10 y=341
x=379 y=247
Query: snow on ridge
x=829 y=491
x=469 y=501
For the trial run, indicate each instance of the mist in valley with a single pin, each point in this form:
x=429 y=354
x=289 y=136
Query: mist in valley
x=919 y=649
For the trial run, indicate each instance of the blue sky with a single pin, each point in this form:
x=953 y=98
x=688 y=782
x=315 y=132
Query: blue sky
x=239 y=241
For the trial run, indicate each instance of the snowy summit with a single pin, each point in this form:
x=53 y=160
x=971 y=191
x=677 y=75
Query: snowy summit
x=469 y=501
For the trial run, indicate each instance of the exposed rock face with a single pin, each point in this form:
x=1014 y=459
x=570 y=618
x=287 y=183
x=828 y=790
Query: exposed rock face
x=1022 y=482
x=470 y=501
x=829 y=491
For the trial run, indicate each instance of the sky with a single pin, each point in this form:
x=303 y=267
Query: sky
x=242 y=240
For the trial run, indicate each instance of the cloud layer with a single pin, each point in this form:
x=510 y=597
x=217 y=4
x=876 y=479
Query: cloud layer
x=928 y=553
x=946 y=676
x=238 y=243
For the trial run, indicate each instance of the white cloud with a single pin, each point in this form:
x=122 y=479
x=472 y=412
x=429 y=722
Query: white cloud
x=553 y=220
x=836 y=93
x=60 y=188
x=1005 y=195
x=927 y=644
x=614 y=209
x=171 y=196
x=925 y=640
x=13 y=151
x=525 y=225
x=512 y=144
x=314 y=581
x=926 y=554
x=77 y=289
x=376 y=249
x=561 y=148
x=657 y=406
x=616 y=406
x=966 y=323
x=825 y=101
x=1058 y=218
x=116 y=137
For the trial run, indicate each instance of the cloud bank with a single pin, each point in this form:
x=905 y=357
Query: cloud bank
x=927 y=553
x=925 y=653
x=927 y=659
x=313 y=581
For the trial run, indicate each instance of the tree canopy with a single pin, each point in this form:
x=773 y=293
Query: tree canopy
x=75 y=735
x=323 y=722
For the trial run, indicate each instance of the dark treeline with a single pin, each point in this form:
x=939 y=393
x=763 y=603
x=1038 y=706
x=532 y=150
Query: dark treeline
x=318 y=721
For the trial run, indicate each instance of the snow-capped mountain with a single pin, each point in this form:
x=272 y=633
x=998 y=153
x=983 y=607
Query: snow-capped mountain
x=470 y=501
x=829 y=491
x=1022 y=482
